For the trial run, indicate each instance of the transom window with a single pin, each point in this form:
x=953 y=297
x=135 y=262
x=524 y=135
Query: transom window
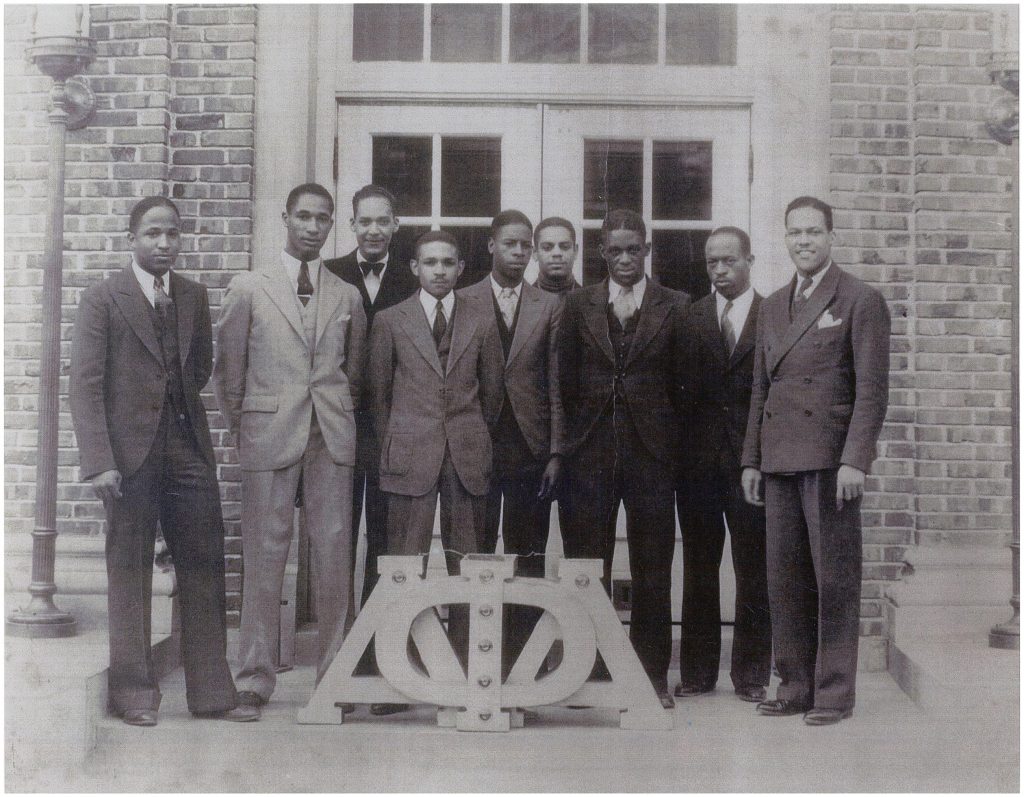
x=600 y=33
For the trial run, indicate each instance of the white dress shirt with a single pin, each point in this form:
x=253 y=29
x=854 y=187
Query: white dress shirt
x=430 y=306
x=292 y=266
x=372 y=281
x=815 y=280
x=146 y=282
x=614 y=289
x=738 y=312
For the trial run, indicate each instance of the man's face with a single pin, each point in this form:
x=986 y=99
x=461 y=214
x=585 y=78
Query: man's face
x=555 y=252
x=438 y=267
x=624 y=251
x=510 y=252
x=308 y=223
x=728 y=267
x=373 y=225
x=808 y=239
x=156 y=240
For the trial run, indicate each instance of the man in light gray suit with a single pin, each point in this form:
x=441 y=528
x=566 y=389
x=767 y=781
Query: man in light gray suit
x=291 y=342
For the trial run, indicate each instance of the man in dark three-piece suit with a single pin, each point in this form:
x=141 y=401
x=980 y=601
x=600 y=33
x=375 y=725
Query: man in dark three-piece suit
x=382 y=282
x=142 y=350
x=621 y=366
x=529 y=433
x=721 y=329
x=819 y=397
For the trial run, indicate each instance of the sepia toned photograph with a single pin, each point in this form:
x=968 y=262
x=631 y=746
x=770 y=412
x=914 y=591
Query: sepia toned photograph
x=540 y=397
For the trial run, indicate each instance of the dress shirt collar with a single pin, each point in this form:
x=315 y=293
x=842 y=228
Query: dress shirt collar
x=498 y=288
x=429 y=304
x=292 y=266
x=145 y=280
x=740 y=308
x=614 y=289
x=815 y=280
x=360 y=259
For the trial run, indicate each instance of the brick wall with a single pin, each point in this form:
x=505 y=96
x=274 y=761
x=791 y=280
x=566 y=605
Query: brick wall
x=923 y=211
x=175 y=87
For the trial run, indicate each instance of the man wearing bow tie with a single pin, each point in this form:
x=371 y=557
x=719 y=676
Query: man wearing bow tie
x=818 y=401
x=382 y=282
x=290 y=345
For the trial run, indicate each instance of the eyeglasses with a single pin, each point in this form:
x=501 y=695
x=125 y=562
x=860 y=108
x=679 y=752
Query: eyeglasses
x=615 y=252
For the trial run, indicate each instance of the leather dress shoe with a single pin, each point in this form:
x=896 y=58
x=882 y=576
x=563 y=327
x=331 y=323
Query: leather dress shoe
x=141 y=717
x=691 y=690
x=666 y=698
x=751 y=694
x=826 y=716
x=253 y=699
x=781 y=708
x=346 y=708
x=240 y=713
x=383 y=709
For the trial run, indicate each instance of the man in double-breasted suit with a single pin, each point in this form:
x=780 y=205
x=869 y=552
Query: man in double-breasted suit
x=435 y=386
x=142 y=350
x=382 y=282
x=621 y=363
x=291 y=341
x=721 y=330
x=820 y=392
x=529 y=433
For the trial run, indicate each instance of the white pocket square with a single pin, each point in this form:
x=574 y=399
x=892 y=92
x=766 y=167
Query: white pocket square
x=826 y=321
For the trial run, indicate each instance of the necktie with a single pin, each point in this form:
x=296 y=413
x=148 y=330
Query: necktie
x=305 y=286
x=161 y=301
x=440 y=323
x=624 y=305
x=367 y=267
x=800 y=299
x=728 y=333
x=507 y=305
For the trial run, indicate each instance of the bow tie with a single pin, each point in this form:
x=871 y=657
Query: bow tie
x=367 y=266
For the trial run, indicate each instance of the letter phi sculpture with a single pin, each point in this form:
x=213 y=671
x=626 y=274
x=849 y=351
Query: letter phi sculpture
x=576 y=610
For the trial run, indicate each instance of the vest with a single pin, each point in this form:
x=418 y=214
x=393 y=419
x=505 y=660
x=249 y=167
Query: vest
x=510 y=446
x=445 y=346
x=167 y=334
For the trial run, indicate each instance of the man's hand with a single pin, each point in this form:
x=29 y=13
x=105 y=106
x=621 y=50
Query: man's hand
x=549 y=480
x=849 y=484
x=752 y=487
x=107 y=485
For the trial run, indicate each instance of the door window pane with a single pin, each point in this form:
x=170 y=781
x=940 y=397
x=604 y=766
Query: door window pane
x=700 y=34
x=470 y=176
x=544 y=33
x=682 y=180
x=612 y=177
x=622 y=33
x=465 y=32
x=387 y=32
x=403 y=166
x=473 y=248
x=594 y=269
x=677 y=260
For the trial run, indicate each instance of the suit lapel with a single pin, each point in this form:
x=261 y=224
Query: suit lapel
x=184 y=308
x=596 y=319
x=653 y=311
x=706 y=320
x=135 y=308
x=748 y=335
x=465 y=328
x=282 y=293
x=414 y=322
x=529 y=317
x=820 y=299
x=327 y=302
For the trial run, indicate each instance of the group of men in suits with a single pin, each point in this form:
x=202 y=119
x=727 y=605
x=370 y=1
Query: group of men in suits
x=363 y=382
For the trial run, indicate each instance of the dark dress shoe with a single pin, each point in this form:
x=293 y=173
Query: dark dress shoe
x=383 y=709
x=666 y=699
x=751 y=694
x=253 y=699
x=826 y=716
x=780 y=708
x=346 y=708
x=141 y=717
x=690 y=690
x=239 y=713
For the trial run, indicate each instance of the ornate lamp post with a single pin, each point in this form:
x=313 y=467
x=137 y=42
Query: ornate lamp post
x=59 y=49
x=1003 y=126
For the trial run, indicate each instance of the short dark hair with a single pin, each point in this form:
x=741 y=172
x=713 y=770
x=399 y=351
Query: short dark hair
x=143 y=206
x=307 y=188
x=507 y=217
x=371 y=190
x=624 y=220
x=436 y=236
x=810 y=202
x=554 y=221
x=738 y=234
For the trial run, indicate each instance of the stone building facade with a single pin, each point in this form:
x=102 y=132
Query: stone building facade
x=878 y=109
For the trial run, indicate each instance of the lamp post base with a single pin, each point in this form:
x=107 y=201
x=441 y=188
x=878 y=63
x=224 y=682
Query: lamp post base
x=40 y=625
x=1005 y=636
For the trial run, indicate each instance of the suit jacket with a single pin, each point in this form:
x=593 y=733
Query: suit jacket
x=717 y=391
x=418 y=409
x=118 y=379
x=530 y=378
x=396 y=284
x=821 y=383
x=652 y=377
x=268 y=381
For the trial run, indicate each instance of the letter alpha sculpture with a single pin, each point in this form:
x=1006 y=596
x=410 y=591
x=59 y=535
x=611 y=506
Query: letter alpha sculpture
x=576 y=609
